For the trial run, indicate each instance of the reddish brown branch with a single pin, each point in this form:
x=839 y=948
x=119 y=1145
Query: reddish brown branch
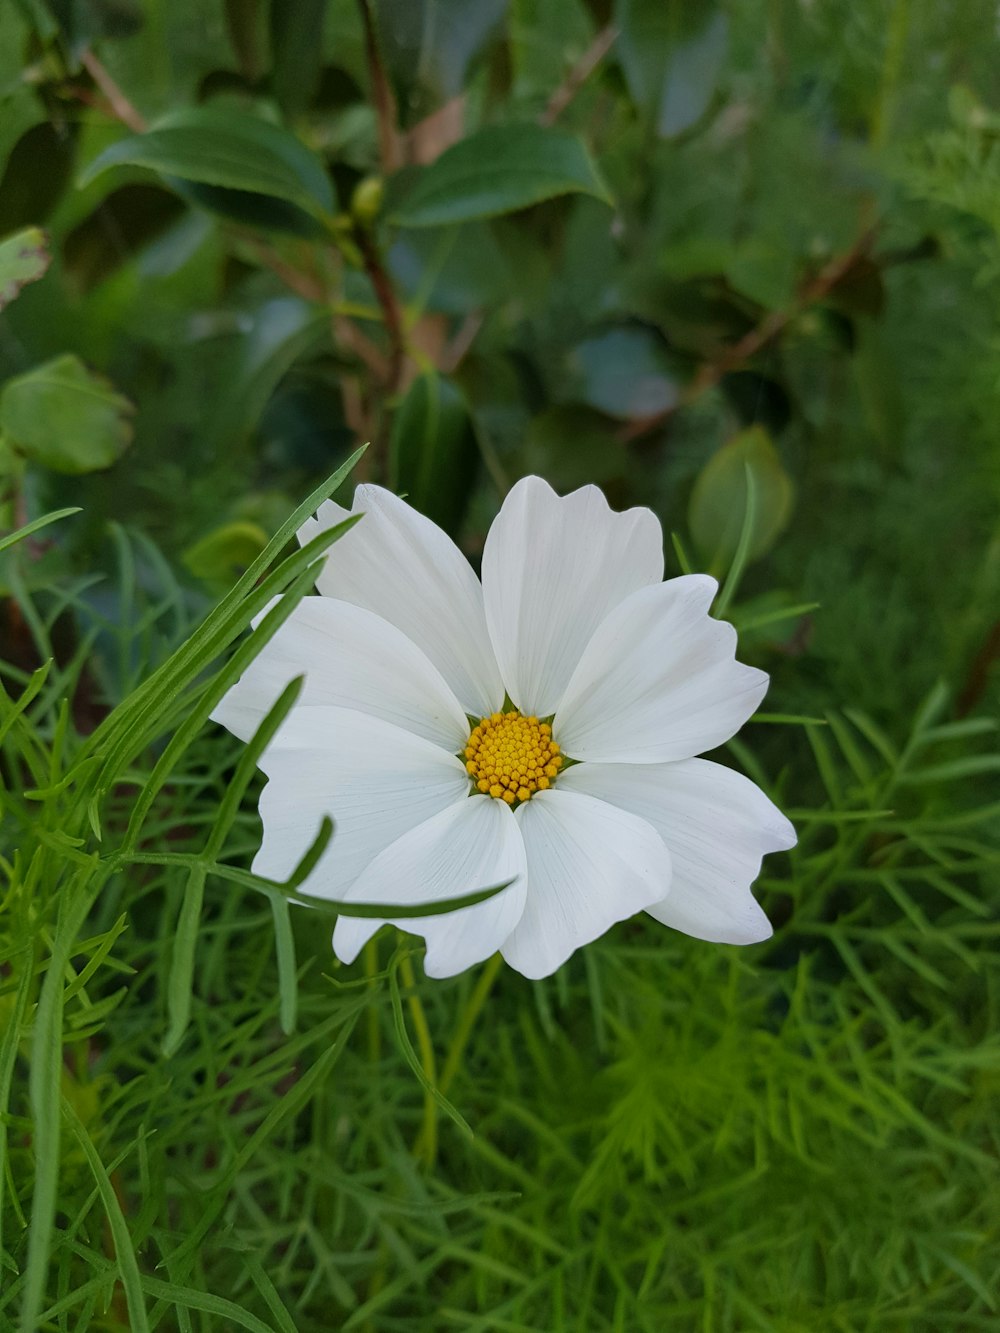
x=579 y=74
x=751 y=344
x=382 y=95
x=121 y=108
x=979 y=673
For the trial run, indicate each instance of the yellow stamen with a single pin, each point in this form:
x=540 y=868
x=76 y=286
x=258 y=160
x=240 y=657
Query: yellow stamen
x=511 y=756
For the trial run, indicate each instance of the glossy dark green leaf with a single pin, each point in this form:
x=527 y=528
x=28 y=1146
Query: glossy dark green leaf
x=546 y=39
x=281 y=330
x=121 y=225
x=500 y=169
x=24 y=258
x=297 y=52
x=625 y=372
x=38 y=171
x=228 y=150
x=719 y=499
x=433 y=450
x=429 y=45
x=65 y=417
x=246 y=27
x=671 y=52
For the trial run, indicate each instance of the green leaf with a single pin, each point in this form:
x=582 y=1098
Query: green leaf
x=12 y=538
x=65 y=417
x=221 y=156
x=671 y=53
x=719 y=499
x=38 y=170
x=626 y=373
x=225 y=552
x=38 y=18
x=433 y=450
x=569 y=445
x=246 y=30
x=297 y=46
x=125 y=1255
x=500 y=169
x=24 y=258
x=428 y=46
x=282 y=329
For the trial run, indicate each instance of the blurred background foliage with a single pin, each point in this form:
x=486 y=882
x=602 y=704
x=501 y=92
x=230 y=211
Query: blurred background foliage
x=660 y=245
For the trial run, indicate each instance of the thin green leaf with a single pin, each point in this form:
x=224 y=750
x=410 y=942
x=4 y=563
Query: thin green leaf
x=12 y=538
x=44 y=1088
x=125 y=1255
x=181 y=976
x=411 y=1057
x=191 y=1299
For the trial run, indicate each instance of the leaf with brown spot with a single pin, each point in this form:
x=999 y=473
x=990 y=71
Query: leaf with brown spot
x=24 y=258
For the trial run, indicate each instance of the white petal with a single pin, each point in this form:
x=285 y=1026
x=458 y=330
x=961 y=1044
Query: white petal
x=589 y=865
x=374 y=780
x=717 y=825
x=351 y=658
x=472 y=845
x=658 y=681
x=552 y=570
x=403 y=567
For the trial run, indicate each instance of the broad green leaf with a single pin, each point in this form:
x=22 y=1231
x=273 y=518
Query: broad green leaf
x=429 y=45
x=135 y=216
x=282 y=330
x=500 y=169
x=570 y=445
x=433 y=450
x=65 y=417
x=297 y=50
x=24 y=258
x=719 y=499
x=671 y=52
x=38 y=170
x=218 y=152
x=246 y=28
x=546 y=39
x=225 y=552
x=625 y=372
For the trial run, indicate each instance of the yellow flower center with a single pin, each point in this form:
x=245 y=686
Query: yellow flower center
x=510 y=756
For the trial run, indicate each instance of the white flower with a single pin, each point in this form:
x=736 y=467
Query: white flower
x=539 y=727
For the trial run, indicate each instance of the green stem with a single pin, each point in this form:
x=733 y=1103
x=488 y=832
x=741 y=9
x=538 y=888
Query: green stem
x=374 y=1030
x=467 y=1021
x=425 y=1144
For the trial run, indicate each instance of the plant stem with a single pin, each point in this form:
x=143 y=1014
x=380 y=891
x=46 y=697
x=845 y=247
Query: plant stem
x=392 y=318
x=766 y=332
x=425 y=1144
x=579 y=74
x=382 y=96
x=118 y=102
x=467 y=1021
x=374 y=1030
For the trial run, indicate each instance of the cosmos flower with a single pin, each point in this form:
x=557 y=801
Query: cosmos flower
x=539 y=727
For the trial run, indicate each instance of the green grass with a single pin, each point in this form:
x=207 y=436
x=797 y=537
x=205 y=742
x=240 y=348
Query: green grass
x=210 y=1124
